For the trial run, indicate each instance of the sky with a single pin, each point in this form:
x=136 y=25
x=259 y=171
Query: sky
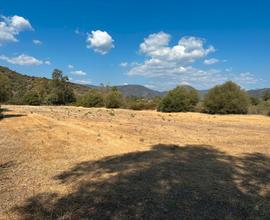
x=158 y=44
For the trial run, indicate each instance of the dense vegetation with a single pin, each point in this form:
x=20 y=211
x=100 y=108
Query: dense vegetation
x=180 y=99
x=228 y=98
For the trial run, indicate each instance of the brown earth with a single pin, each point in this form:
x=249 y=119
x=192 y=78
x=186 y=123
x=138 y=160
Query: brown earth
x=94 y=163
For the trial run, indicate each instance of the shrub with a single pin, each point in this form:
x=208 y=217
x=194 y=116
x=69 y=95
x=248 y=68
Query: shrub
x=92 y=99
x=180 y=99
x=266 y=96
x=262 y=108
x=31 y=98
x=114 y=99
x=227 y=98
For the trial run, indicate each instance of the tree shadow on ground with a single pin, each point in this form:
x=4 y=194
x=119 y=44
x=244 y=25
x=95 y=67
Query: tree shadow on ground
x=166 y=182
x=4 y=116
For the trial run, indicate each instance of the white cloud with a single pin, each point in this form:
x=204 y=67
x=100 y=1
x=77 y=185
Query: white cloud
x=37 y=42
x=169 y=66
x=23 y=60
x=10 y=27
x=123 y=64
x=150 y=86
x=161 y=59
x=78 y=73
x=70 y=66
x=211 y=61
x=47 y=62
x=100 y=41
x=82 y=81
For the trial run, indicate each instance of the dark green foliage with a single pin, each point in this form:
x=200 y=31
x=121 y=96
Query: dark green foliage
x=60 y=91
x=136 y=103
x=31 y=98
x=93 y=98
x=114 y=98
x=266 y=96
x=254 y=100
x=180 y=99
x=227 y=98
x=5 y=92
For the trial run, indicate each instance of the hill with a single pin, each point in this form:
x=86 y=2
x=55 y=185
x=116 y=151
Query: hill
x=21 y=83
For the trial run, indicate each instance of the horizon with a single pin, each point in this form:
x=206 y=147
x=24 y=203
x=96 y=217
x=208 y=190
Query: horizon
x=154 y=44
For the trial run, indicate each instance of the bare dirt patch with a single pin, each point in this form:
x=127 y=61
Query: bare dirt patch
x=94 y=163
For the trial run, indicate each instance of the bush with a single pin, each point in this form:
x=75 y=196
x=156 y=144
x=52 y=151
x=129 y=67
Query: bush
x=31 y=98
x=180 y=99
x=92 y=99
x=227 y=98
x=266 y=96
x=262 y=108
x=114 y=99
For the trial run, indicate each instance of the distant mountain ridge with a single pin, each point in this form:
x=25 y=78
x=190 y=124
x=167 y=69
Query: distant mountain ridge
x=24 y=82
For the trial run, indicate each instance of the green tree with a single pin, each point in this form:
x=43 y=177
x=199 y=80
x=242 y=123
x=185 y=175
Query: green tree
x=92 y=99
x=32 y=98
x=266 y=96
x=227 y=98
x=4 y=88
x=180 y=99
x=114 y=98
x=5 y=92
x=60 y=90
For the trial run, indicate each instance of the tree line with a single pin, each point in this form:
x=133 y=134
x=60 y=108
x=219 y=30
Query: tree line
x=227 y=98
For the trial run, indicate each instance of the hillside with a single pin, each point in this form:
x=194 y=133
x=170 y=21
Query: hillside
x=21 y=83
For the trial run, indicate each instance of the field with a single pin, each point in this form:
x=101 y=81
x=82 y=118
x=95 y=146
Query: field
x=95 y=163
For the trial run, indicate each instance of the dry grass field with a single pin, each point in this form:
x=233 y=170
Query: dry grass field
x=95 y=163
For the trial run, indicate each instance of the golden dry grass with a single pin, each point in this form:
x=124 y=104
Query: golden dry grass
x=95 y=163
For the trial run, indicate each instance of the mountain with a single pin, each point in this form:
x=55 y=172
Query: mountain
x=258 y=92
x=21 y=83
x=138 y=91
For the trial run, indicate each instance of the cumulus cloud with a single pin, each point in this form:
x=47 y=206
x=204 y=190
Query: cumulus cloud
x=82 y=81
x=161 y=59
x=78 y=73
x=10 y=27
x=171 y=65
x=100 y=41
x=70 y=66
x=123 y=64
x=210 y=61
x=37 y=42
x=23 y=59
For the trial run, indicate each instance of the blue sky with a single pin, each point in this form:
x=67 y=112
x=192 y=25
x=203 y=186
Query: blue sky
x=159 y=44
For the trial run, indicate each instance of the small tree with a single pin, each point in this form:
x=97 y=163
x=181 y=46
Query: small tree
x=4 y=90
x=60 y=91
x=92 y=99
x=32 y=98
x=180 y=99
x=114 y=98
x=227 y=98
x=266 y=96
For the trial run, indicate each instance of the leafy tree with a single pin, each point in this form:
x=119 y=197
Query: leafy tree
x=4 y=88
x=266 y=96
x=114 y=98
x=254 y=100
x=227 y=98
x=5 y=92
x=60 y=91
x=180 y=99
x=92 y=99
x=32 y=98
